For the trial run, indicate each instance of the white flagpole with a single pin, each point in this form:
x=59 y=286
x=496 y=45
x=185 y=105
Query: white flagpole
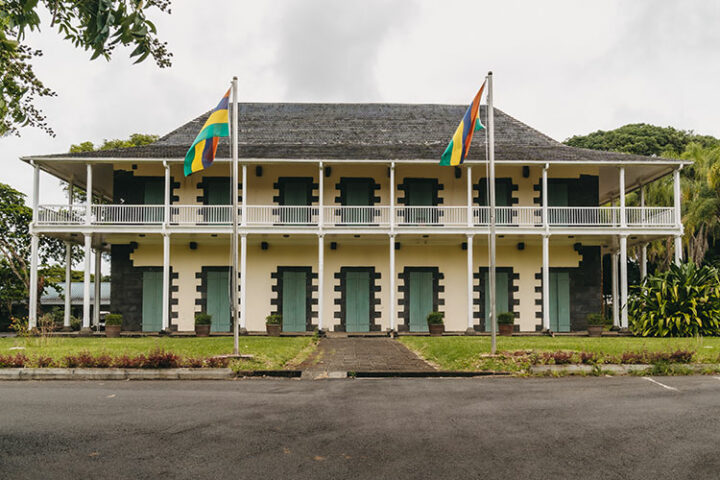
x=491 y=190
x=234 y=240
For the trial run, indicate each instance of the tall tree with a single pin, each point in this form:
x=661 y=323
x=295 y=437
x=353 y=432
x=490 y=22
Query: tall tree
x=97 y=26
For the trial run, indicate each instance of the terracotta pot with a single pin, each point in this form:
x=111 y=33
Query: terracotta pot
x=112 y=331
x=506 y=330
x=202 y=330
x=595 y=330
x=273 y=329
x=436 y=329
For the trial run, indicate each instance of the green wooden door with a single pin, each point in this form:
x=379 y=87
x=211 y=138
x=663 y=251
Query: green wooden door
x=358 y=193
x=294 y=301
x=420 y=193
x=217 y=192
x=152 y=301
x=218 y=300
x=357 y=301
x=559 y=301
x=558 y=197
x=154 y=194
x=295 y=193
x=421 y=300
x=502 y=303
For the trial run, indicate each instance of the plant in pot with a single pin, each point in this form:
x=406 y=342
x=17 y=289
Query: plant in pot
x=202 y=324
x=436 y=325
x=596 y=323
x=506 y=321
x=113 y=325
x=273 y=325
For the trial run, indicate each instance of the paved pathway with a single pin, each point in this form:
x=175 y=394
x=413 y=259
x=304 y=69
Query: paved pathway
x=363 y=355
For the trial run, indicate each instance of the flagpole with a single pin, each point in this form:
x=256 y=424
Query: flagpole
x=491 y=190
x=234 y=240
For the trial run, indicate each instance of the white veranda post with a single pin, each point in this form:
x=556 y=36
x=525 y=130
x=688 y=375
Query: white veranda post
x=88 y=249
x=678 y=215
x=68 y=269
x=96 y=287
x=321 y=246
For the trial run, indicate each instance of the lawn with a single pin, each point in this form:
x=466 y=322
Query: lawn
x=463 y=353
x=270 y=353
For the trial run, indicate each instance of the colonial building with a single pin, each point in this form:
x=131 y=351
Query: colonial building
x=348 y=223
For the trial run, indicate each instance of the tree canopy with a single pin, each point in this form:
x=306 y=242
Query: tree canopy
x=97 y=26
x=135 y=140
x=642 y=139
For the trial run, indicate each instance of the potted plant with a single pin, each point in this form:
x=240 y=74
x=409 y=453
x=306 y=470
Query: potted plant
x=273 y=325
x=202 y=324
x=436 y=324
x=113 y=325
x=596 y=324
x=505 y=323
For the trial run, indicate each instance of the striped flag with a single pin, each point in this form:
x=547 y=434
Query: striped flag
x=460 y=144
x=202 y=151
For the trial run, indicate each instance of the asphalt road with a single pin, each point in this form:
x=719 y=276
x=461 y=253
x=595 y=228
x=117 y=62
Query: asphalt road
x=580 y=428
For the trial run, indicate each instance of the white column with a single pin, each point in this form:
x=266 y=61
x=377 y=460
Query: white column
x=166 y=283
x=243 y=211
x=321 y=195
x=615 y=299
x=34 y=247
x=86 y=283
x=623 y=282
x=469 y=197
x=546 y=281
x=243 y=279
x=88 y=193
x=96 y=287
x=392 y=197
x=68 y=269
x=643 y=249
x=166 y=210
x=33 y=300
x=470 y=309
x=678 y=215
x=621 y=181
x=391 y=307
x=321 y=279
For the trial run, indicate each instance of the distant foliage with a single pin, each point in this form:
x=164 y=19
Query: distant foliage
x=135 y=140
x=641 y=139
x=681 y=302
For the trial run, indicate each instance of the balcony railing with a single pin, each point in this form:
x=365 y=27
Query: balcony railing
x=347 y=216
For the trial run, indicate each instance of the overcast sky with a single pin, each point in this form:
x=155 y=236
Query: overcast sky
x=563 y=67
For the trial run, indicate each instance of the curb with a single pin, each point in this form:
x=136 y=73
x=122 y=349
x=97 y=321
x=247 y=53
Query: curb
x=116 y=374
x=616 y=369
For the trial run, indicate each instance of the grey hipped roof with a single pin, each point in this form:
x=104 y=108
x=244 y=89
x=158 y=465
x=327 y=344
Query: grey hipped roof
x=369 y=131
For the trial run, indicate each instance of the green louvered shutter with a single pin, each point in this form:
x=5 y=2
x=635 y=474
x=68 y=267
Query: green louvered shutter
x=294 y=301
x=421 y=300
x=218 y=302
x=560 y=301
x=152 y=301
x=502 y=303
x=357 y=301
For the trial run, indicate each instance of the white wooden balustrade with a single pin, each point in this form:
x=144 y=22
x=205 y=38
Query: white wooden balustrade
x=349 y=216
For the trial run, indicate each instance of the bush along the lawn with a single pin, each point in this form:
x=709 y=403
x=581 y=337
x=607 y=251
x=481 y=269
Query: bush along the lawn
x=681 y=302
x=155 y=359
x=568 y=357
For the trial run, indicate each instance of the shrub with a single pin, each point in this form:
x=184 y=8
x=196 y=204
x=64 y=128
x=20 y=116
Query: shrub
x=162 y=359
x=590 y=358
x=193 y=362
x=18 y=360
x=217 y=362
x=203 y=319
x=126 y=361
x=75 y=323
x=596 y=319
x=435 y=318
x=273 y=319
x=113 y=319
x=43 y=362
x=682 y=302
x=506 y=318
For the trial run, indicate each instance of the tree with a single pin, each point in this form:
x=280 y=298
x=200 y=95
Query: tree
x=135 y=140
x=98 y=26
x=642 y=139
x=15 y=219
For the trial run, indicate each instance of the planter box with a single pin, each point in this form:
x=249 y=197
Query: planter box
x=112 y=331
x=273 y=329
x=595 y=330
x=436 y=330
x=505 y=330
x=202 y=330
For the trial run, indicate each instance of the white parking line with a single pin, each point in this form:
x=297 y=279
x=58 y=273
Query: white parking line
x=668 y=387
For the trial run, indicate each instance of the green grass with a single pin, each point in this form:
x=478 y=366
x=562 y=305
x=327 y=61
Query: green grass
x=270 y=353
x=463 y=353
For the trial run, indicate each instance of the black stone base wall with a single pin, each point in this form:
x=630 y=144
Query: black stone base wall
x=126 y=287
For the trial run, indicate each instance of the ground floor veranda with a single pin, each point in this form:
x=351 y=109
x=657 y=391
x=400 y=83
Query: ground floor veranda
x=360 y=283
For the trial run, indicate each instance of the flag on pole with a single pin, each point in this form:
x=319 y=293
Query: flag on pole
x=202 y=151
x=460 y=144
